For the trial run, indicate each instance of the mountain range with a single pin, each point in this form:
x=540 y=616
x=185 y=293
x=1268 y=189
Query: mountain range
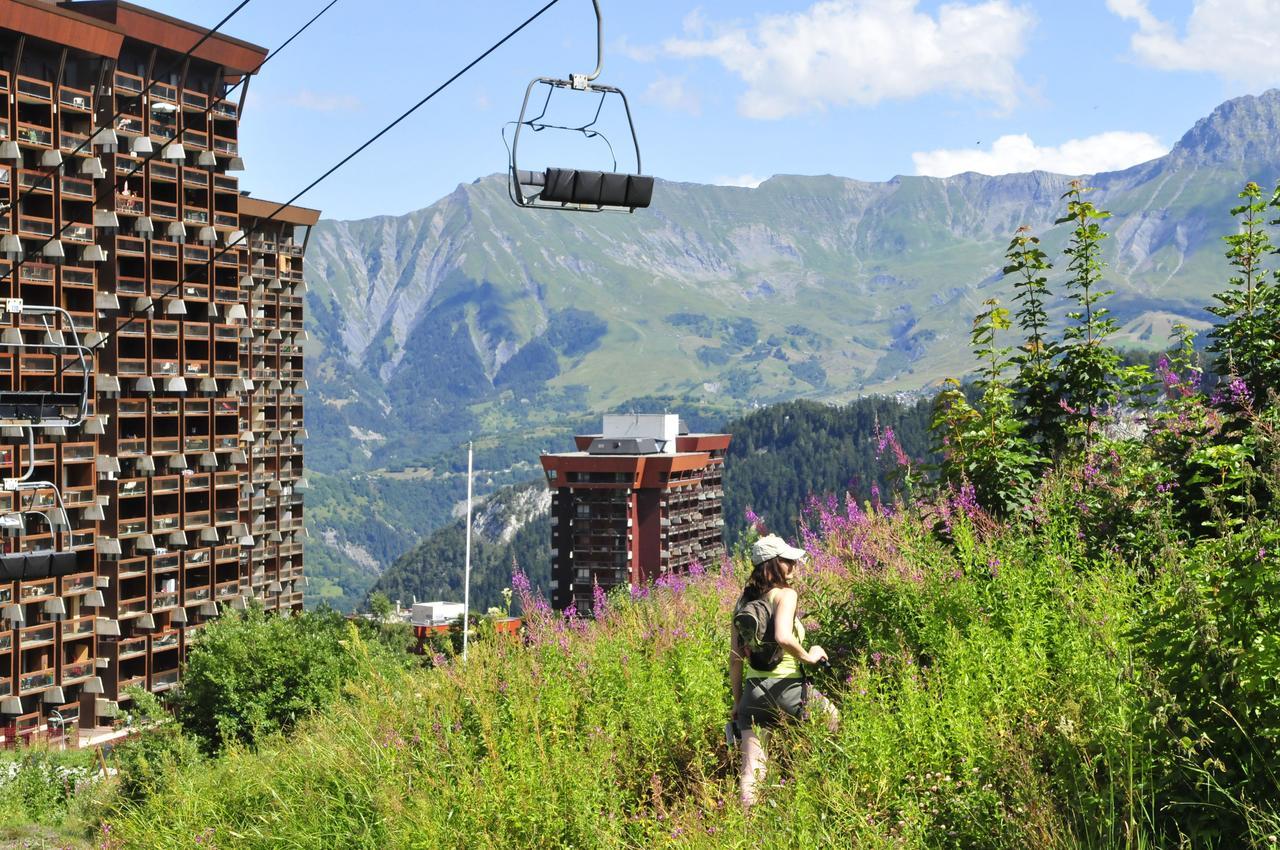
x=474 y=319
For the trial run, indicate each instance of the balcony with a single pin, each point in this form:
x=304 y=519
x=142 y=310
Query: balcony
x=77 y=187
x=195 y=216
x=164 y=680
x=132 y=606
x=31 y=90
x=223 y=145
x=168 y=640
x=196 y=594
x=77 y=671
x=30 y=180
x=198 y=139
x=129 y=204
x=76 y=629
x=194 y=100
x=38 y=590
x=33 y=636
x=34 y=134
x=78 y=277
x=128 y=82
x=78 y=232
x=76 y=100
x=225 y=109
x=35 y=681
x=129 y=125
x=164 y=91
x=70 y=140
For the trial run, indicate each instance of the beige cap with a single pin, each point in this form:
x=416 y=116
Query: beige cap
x=773 y=546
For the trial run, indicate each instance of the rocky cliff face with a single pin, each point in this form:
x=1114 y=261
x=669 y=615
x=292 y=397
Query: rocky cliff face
x=471 y=313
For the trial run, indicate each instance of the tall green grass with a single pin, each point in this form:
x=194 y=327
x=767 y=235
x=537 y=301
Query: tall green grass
x=985 y=681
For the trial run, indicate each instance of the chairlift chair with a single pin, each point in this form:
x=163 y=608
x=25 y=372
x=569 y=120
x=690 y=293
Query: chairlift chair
x=571 y=188
x=44 y=409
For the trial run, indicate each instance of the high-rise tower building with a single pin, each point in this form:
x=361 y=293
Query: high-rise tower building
x=150 y=359
x=637 y=501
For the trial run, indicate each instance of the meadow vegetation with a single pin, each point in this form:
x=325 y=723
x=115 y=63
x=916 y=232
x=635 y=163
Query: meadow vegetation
x=1064 y=634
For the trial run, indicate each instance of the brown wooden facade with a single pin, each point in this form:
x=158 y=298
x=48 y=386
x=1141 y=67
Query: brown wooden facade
x=183 y=487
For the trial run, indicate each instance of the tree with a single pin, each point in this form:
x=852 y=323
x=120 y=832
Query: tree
x=380 y=606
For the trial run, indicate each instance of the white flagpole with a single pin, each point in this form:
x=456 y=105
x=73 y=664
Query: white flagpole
x=466 y=580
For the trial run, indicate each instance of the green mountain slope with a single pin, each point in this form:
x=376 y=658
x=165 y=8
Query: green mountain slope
x=474 y=319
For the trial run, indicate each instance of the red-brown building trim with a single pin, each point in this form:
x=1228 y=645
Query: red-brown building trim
x=260 y=209
x=236 y=55
x=46 y=21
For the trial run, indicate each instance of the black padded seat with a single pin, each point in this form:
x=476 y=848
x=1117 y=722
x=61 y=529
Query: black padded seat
x=20 y=566
x=597 y=188
x=35 y=406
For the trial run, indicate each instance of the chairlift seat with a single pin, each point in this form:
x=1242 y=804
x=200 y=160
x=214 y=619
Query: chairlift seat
x=21 y=566
x=27 y=406
x=594 y=188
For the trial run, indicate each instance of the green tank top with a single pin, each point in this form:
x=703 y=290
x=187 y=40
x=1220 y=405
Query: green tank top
x=788 y=667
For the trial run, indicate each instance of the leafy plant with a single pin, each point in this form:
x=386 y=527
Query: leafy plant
x=984 y=447
x=1247 y=340
x=1090 y=369
x=1035 y=383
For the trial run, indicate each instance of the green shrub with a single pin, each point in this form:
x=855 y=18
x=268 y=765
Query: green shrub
x=251 y=674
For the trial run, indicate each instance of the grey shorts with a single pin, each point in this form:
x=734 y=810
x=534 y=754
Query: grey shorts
x=766 y=701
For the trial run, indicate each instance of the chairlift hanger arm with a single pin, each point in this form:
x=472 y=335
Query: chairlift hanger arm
x=583 y=81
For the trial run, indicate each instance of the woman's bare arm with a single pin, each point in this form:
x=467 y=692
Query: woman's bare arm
x=784 y=633
x=735 y=668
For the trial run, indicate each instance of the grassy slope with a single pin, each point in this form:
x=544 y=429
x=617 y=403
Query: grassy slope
x=998 y=722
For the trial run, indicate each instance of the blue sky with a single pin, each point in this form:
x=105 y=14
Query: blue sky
x=733 y=92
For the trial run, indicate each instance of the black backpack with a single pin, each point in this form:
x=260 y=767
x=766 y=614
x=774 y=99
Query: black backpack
x=753 y=621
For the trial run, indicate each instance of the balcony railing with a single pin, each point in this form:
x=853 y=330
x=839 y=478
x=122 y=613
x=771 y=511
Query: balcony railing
x=35 y=135
x=37 y=680
x=128 y=82
x=77 y=187
x=75 y=99
x=225 y=145
x=164 y=680
x=41 y=635
x=29 y=89
x=128 y=204
x=196 y=594
x=35 y=181
x=77 y=671
x=82 y=627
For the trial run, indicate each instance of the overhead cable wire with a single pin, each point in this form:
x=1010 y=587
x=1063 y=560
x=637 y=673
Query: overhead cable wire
x=135 y=313
x=174 y=66
x=208 y=109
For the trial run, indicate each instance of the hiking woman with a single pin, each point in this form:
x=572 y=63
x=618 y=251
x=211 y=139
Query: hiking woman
x=763 y=697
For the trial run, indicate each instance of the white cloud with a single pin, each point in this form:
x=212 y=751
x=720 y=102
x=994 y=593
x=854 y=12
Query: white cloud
x=1237 y=39
x=1012 y=154
x=634 y=52
x=841 y=52
x=674 y=94
x=318 y=102
x=743 y=181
